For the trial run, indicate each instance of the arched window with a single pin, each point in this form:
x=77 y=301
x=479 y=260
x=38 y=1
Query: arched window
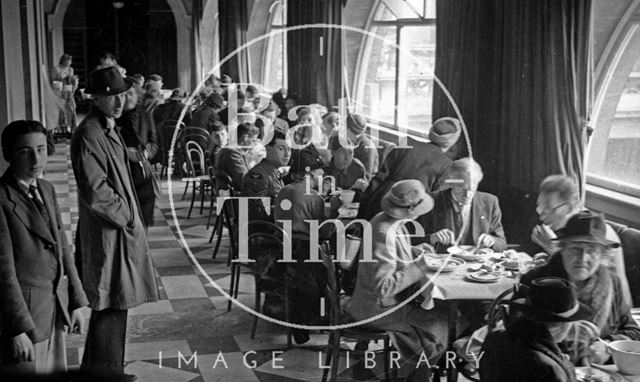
x=614 y=157
x=275 y=63
x=395 y=88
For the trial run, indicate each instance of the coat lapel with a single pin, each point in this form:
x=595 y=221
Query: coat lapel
x=26 y=211
x=49 y=204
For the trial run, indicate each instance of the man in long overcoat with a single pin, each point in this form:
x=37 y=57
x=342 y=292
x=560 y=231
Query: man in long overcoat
x=117 y=273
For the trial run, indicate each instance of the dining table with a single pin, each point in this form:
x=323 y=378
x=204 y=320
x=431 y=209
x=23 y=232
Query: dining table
x=455 y=287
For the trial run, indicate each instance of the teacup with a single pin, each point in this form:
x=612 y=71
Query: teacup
x=626 y=356
x=346 y=195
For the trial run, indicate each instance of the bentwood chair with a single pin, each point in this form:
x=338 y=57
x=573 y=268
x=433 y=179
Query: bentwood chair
x=194 y=142
x=167 y=130
x=224 y=188
x=360 y=334
x=265 y=246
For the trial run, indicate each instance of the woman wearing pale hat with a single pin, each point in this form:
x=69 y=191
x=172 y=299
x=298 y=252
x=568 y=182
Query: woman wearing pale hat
x=526 y=350
x=396 y=267
x=445 y=133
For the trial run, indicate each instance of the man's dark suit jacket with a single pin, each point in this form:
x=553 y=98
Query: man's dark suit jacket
x=485 y=218
x=37 y=271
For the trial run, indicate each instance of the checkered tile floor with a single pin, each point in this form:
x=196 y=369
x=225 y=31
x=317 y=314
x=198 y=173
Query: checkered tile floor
x=191 y=318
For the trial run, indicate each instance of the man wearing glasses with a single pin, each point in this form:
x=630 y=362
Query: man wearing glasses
x=558 y=201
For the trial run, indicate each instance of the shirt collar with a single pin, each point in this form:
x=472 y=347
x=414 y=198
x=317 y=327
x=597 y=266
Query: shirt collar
x=24 y=185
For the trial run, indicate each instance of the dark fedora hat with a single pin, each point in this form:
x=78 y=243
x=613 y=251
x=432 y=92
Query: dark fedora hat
x=107 y=81
x=586 y=227
x=552 y=299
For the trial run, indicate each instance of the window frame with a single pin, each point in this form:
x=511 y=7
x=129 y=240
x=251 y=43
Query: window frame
x=276 y=6
x=365 y=53
x=598 y=142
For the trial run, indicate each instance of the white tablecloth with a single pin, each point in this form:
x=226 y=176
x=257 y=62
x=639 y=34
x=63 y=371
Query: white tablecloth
x=455 y=286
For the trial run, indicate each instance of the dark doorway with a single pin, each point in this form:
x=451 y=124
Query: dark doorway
x=146 y=37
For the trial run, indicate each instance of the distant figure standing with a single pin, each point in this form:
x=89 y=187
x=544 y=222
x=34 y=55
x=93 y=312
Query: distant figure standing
x=107 y=59
x=117 y=273
x=64 y=84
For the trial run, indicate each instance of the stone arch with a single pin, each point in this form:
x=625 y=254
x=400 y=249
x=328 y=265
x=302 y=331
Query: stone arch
x=55 y=22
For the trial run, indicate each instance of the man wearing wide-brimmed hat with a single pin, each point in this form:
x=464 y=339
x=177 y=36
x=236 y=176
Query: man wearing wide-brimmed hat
x=116 y=268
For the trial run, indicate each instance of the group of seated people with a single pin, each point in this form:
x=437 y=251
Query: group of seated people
x=427 y=189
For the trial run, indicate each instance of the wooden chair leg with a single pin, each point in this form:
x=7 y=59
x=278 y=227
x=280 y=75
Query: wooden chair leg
x=257 y=309
x=231 y=285
x=219 y=239
x=214 y=230
x=335 y=357
x=387 y=355
x=287 y=314
x=211 y=206
x=237 y=286
x=193 y=198
x=186 y=188
x=202 y=193
x=327 y=359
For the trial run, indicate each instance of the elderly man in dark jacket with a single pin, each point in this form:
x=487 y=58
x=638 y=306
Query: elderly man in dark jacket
x=117 y=272
x=40 y=291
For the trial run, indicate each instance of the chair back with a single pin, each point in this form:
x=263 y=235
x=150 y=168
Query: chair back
x=266 y=244
x=332 y=287
x=224 y=182
x=195 y=158
x=499 y=309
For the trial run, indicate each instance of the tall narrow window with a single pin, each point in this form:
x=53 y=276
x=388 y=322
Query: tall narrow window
x=614 y=158
x=395 y=87
x=275 y=65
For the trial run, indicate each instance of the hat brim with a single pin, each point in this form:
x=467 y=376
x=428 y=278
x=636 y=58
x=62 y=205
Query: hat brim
x=400 y=212
x=112 y=91
x=584 y=313
x=588 y=239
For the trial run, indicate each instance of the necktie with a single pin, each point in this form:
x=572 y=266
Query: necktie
x=41 y=208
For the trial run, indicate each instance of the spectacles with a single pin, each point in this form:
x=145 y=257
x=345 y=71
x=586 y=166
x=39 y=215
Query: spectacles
x=540 y=210
x=590 y=250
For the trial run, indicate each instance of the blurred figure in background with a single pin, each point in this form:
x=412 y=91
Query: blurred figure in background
x=64 y=83
x=138 y=132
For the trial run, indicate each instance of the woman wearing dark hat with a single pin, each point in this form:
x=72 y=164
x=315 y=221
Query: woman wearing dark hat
x=583 y=246
x=396 y=268
x=300 y=202
x=527 y=349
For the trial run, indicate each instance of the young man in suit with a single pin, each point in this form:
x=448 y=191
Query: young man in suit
x=40 y=292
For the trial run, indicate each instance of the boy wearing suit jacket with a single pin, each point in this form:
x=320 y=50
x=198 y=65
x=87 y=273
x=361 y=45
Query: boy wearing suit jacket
x=40 y=291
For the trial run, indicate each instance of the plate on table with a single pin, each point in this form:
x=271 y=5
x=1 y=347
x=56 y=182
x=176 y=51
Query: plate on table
x=443 y=264
x=590 y=374
x=467 y=252
x=483 y=276
x=352 y=205
x=347 y=213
